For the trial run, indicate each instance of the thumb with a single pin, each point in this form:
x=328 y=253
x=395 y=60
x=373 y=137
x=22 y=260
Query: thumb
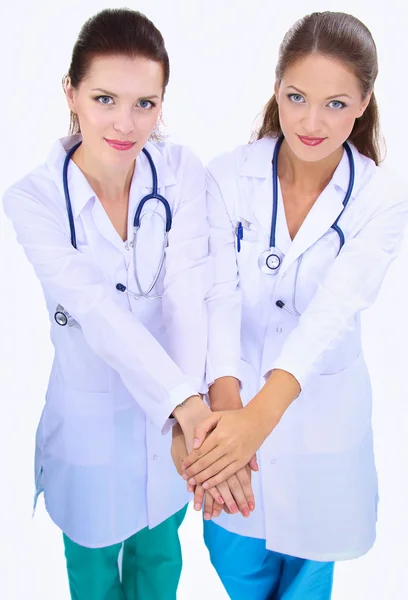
x=253 y=464
x=203 y=429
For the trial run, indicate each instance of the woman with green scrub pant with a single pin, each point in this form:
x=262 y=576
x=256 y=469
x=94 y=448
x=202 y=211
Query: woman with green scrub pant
x=127 y=366
x=304 y=226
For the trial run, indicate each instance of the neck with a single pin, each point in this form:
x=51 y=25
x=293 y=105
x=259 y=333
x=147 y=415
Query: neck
x=309 y=178
x=110 y=185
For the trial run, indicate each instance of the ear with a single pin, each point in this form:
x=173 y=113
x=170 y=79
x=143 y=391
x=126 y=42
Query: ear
x=70 y=94
x=276 y=91
x=365 y=103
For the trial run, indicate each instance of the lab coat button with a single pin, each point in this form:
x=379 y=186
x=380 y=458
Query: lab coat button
x=273 y=461
x=279 y=329
x=155 y=457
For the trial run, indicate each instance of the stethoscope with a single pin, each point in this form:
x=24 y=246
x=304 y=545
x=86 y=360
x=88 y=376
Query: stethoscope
x=61 y=316
x=271 y=259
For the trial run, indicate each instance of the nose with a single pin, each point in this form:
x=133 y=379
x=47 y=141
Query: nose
x=124 y=123
x=312 y=121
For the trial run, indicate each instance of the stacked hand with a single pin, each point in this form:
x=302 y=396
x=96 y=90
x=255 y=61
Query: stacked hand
x=233 y=494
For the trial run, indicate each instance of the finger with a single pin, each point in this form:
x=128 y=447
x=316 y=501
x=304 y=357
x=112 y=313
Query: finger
x=228 y=497
x=208 y=506
x=215 y=493
x=253 y=463
x=204 y=428
x=243 y=476
x=239 y=495
x=223 y=475
x=202 y=464
x=210 y=443
x=198 y=497
x=217 y=509
x=215 y=468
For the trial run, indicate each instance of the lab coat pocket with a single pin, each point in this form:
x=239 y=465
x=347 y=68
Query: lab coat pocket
x=248 y=270
x=335 y=409
x=80 y=429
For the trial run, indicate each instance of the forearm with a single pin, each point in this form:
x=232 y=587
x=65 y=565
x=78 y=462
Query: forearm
x=271 y=402
x=224 y=394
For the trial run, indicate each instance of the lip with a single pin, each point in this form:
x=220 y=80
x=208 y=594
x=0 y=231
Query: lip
x=118 y=145
x=310 y=141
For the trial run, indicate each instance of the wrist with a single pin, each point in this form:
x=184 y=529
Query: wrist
x=270 y=404
x=191 y=412
x=224 y=394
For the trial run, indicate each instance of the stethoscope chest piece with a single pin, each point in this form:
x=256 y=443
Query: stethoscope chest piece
x=62 y=317
x=270 y=261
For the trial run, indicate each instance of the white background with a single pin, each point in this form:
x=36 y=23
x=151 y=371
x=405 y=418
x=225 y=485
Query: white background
x=222 y=57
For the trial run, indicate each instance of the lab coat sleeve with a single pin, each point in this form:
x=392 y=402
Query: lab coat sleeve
x=187 y=280
x=112 y=332
x=350 y=286
x=224 y=299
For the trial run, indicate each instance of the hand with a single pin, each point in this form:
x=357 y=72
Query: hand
x=213 y=499
x=234 y=439
x=193 y=412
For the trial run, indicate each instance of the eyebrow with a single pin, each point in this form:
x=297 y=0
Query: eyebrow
x=329 y=98
x=115 y=95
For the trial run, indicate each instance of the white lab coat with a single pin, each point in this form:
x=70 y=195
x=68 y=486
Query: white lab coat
x=316 y=492
x=101 y=458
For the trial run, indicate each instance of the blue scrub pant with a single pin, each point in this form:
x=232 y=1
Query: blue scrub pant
x=249 y=571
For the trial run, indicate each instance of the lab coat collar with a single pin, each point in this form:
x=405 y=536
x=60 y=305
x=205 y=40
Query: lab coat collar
x=258 y=164
x=79 y=189
x=326 y=209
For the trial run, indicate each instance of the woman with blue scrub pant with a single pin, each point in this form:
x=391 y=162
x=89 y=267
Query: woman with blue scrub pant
x=261 y=573
x=304 y=225
x=125 y=363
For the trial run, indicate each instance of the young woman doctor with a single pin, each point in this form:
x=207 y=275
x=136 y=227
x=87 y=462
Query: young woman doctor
x=304 y=227
x=127 y=353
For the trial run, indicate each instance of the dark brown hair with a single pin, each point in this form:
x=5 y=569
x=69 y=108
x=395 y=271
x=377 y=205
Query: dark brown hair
x=346 y=39
x=115 y=32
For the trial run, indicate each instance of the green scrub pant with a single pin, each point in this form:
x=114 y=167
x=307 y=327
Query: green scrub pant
x=151 y=566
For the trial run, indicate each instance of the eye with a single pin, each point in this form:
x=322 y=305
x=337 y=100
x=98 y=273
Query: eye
x=296 y=98
x=106 y=100
x=336 y=104
x=146 y=104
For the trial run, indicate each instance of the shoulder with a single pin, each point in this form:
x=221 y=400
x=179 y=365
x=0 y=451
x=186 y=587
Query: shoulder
x=248 y=160
x=180 y=159
x=383 y=189
x=35 y=188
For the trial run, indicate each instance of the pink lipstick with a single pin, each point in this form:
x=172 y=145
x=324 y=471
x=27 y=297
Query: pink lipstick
x=310 y=141
x=118 y=145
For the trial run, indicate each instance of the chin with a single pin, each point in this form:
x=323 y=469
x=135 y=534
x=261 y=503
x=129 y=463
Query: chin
x=311 y=154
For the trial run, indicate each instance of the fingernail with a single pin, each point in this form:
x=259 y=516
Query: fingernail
x=197 y=506
x=207 y=516
x=245 y=512
x=220 y=500
x=251 y=506
x=183 y=467
x=196 y=443
x=192 y=481
x=206 y=485
x=234 y=508
x=190 y=488
x=185 y=476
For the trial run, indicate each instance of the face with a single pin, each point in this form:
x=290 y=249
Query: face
x=319 y=100
x=118 y=104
